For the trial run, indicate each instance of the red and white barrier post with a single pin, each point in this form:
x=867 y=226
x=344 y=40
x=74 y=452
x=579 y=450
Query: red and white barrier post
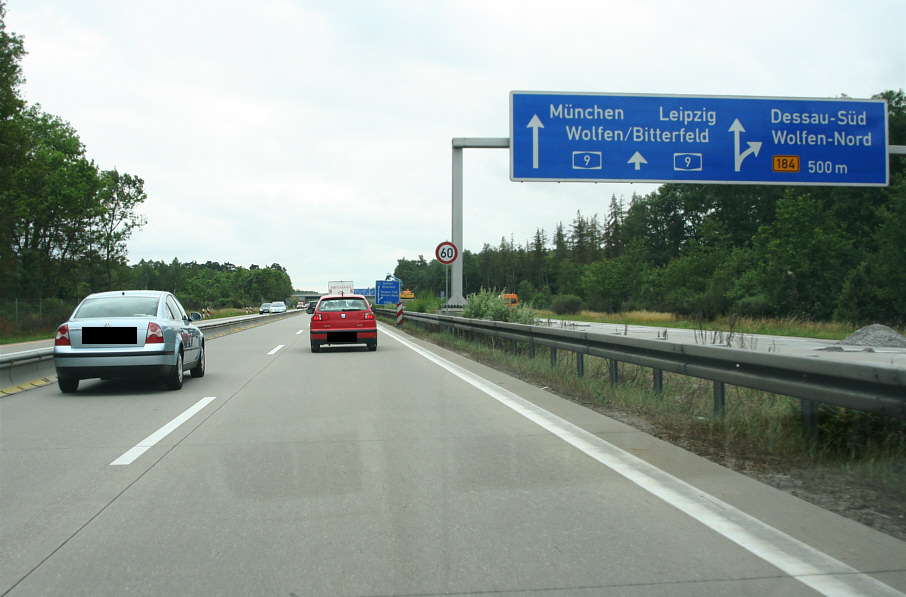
x=399 y=313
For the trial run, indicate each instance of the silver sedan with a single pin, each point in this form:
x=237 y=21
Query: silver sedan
x=128 y=333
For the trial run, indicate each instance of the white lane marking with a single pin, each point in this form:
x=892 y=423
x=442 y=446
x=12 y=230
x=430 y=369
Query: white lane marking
x=806 y=564
x=149 y=442
x=299 y=332
x=276 y=349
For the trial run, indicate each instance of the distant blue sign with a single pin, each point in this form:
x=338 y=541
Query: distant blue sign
x=648 y=138
x=386 y=292
x=363 y=291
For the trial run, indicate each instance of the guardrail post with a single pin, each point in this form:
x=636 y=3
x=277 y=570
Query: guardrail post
x=614 y=372
x=532 y=348
x=553 y=357
x=658 y=381
x=514 y=348
x=720 y=397
x=810 y=418
x=580 y=364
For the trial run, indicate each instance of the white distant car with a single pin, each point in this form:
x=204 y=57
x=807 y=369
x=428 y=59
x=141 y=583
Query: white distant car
x=278 y=307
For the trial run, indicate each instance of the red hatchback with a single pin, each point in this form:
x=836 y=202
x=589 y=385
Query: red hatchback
x=343 y=319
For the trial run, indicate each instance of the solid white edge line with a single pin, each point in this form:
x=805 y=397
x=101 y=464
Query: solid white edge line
x=149 y=442
x=812 y=567
x=276 y=349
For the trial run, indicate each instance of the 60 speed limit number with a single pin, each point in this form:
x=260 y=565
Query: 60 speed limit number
x=446 y=252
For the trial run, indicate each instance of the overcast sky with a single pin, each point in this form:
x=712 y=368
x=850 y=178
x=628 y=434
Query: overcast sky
x=317 y=135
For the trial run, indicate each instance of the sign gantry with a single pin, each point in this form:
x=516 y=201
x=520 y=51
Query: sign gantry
x=600 y=137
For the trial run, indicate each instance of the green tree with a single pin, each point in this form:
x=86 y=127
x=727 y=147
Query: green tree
x=53 y=200
x=805 y=256
x=614 y=285
x=119 y=196
x=614 y=240
x=560 y=277
x=12 y=141
x=538 y=258
x=585 y=239
x=875 y=291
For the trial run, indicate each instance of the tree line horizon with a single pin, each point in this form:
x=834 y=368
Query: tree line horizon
x=818 y=253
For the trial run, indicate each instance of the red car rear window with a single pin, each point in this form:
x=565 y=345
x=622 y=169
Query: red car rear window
x=343 y=304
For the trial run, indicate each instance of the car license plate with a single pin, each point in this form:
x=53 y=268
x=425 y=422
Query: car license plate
x=110 y=335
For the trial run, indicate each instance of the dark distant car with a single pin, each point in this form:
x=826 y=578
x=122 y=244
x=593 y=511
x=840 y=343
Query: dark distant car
x=128 y=333
x=264 y=308
x=343 y=319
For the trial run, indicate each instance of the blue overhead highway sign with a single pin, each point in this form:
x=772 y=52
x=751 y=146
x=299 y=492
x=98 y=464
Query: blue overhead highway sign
x=698 y=139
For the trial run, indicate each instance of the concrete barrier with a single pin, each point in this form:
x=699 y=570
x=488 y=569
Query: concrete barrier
x=21 y=368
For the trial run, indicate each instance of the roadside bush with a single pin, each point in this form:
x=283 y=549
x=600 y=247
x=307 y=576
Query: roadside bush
x=541 y=299
x=489 y=305
x=753 y=306
x=425 y=303
x=522 y=313
x=486 y=305
x=567 y=303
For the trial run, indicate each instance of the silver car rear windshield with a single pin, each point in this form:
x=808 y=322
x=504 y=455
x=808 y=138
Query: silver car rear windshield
x=344 y=305
x=118 y=306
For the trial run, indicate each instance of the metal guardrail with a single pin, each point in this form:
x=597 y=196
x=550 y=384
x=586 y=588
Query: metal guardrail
x=27 y=365
x=858 y=386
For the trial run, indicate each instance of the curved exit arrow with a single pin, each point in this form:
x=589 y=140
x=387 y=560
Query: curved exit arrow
x=754 y=146
x=535 y=124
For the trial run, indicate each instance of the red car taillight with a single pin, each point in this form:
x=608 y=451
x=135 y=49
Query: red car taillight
x=317 y=317
x=367 y=315
x=62 y=337
x=155 y=334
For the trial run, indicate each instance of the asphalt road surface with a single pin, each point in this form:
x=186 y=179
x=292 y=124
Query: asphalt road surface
x=406 y=471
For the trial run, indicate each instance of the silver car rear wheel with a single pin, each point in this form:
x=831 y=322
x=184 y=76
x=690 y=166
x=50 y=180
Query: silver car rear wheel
x=174 y=378
x=198 y=369
x=68 y=385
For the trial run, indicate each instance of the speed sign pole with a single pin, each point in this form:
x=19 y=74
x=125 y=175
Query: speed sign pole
x=446 y=253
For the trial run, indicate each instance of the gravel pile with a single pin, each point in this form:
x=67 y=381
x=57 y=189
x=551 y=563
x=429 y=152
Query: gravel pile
x=875 y=335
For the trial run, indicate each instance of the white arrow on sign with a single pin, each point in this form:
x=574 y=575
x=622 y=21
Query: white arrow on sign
x=754 y=146
x=638 y=160
x=535 y=124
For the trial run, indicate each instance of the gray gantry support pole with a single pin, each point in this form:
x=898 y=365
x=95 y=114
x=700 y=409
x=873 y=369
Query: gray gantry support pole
x=457 y=300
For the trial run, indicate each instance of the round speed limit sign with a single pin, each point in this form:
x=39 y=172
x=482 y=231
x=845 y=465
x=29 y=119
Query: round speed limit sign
x=446 y=252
